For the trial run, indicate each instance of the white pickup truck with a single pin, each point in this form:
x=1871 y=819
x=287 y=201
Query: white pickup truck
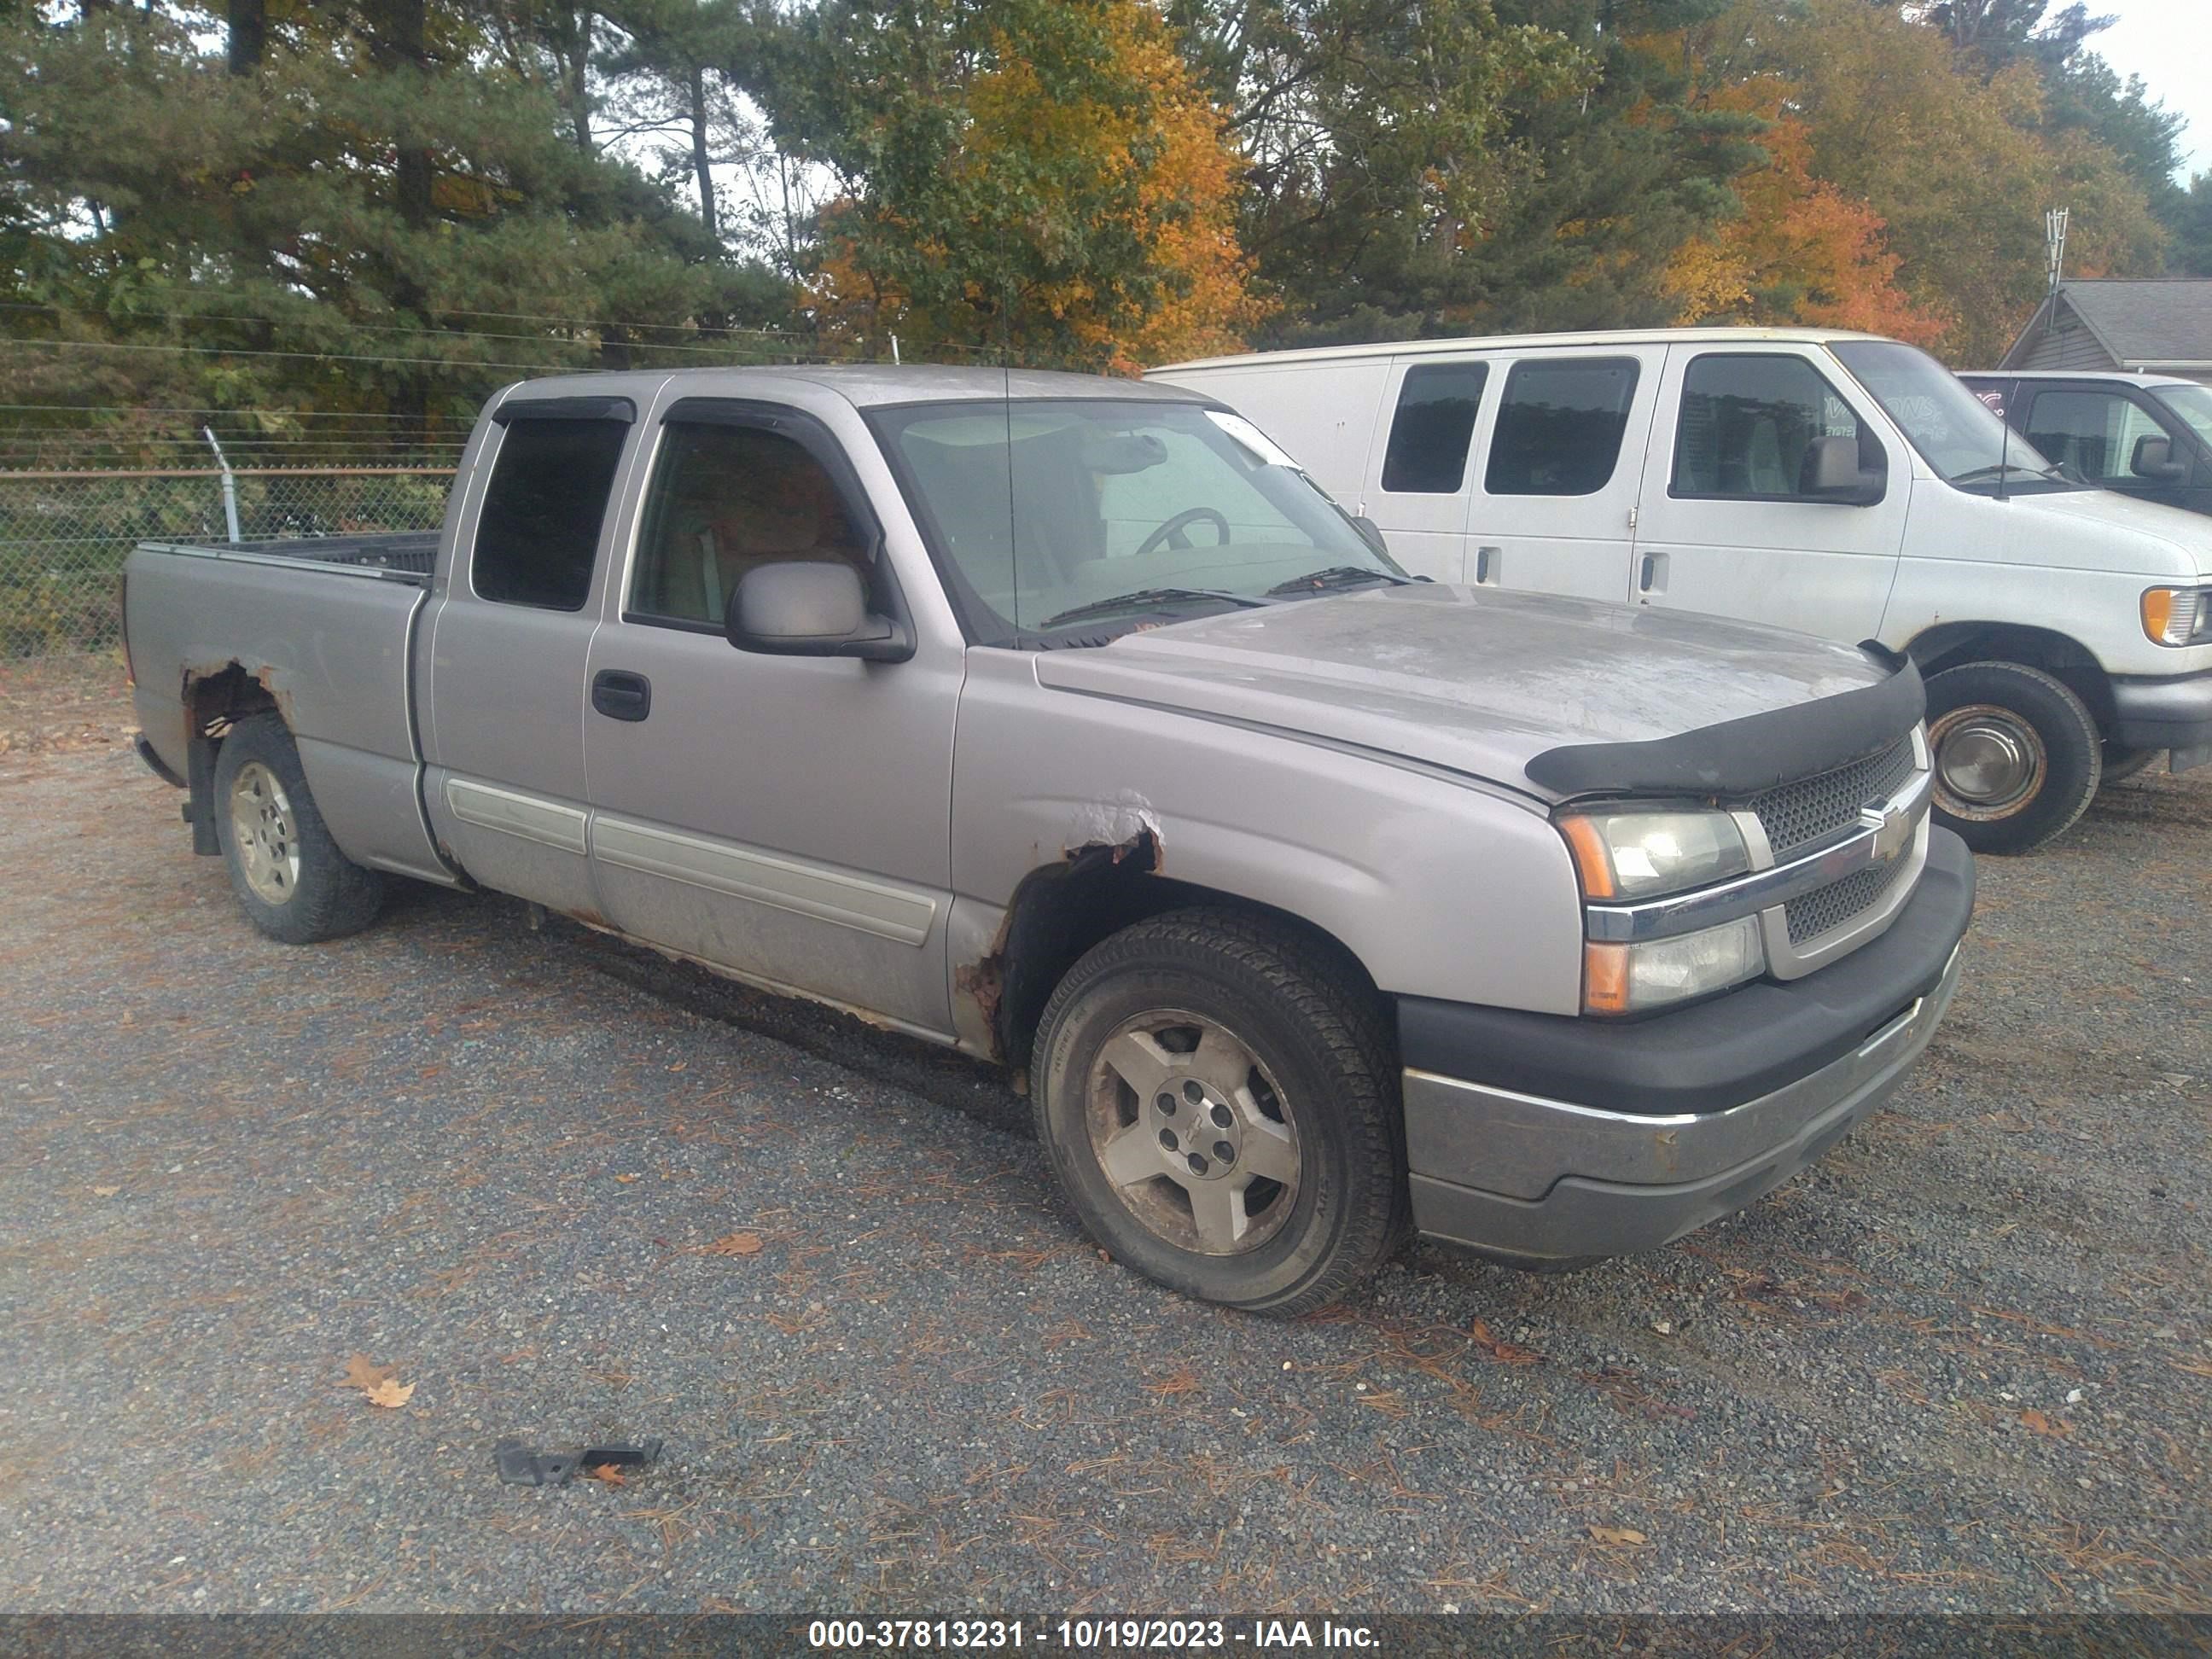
x=1064 y=721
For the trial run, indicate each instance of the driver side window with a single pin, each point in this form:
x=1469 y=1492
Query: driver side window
x=724 y=499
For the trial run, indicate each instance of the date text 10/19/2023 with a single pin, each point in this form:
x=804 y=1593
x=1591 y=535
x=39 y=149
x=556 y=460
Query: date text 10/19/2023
x=1090 y=1635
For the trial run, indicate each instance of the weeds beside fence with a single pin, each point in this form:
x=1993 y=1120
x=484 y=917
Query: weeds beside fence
x=64 y=534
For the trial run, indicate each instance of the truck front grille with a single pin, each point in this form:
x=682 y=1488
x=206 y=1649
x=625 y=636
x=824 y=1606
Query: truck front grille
x=1797 y=814
x=1826 y=909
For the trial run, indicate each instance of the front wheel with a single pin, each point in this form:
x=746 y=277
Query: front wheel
x=2016 y=755
x=1221 y=1108
x=287 y=874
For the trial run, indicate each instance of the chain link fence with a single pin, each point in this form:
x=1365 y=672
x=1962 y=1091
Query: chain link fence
x=65 y=533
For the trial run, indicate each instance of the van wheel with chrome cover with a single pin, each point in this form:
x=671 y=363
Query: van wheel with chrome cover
x=1219 y=1101
x=2016 y=755
x=289 y=877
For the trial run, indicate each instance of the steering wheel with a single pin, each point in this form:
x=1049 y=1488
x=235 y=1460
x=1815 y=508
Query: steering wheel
x=1173 y=528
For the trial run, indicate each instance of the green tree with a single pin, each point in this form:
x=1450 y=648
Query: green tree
x=382 y=209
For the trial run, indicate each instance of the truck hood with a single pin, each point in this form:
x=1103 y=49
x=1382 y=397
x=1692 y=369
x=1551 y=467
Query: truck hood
x=2103 y=530
x=1470 y=679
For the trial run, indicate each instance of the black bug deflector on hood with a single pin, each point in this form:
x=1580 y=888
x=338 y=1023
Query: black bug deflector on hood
x=1744 y=755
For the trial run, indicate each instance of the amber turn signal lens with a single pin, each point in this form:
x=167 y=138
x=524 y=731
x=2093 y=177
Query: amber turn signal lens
x=2172 y=616
x=1605 y=978
x=1592 y=858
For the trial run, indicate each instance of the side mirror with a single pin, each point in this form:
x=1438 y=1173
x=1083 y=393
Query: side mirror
x=1372 y=534
x=2153 y=459
x=802 y=608
x=1831 y=472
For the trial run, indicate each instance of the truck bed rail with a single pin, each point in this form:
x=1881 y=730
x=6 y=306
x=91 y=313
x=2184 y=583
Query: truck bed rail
x=407 y=557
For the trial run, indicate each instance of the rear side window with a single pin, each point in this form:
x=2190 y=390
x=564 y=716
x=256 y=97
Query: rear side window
x=539 y=530
x=1429 y=434
x=1748 y=425
x=1559 y=427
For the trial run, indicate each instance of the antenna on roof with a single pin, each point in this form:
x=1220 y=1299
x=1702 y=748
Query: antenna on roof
x=2054 y=240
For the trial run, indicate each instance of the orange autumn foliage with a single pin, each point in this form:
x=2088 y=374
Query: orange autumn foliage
x=1135 y=163
x=1801 y=251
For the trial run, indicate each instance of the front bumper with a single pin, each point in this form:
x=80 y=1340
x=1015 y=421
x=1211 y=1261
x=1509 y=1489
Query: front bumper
x=2172 y=713
x=1590 y=1169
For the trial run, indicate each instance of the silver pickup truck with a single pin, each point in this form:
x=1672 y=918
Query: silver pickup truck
x=1064 y=721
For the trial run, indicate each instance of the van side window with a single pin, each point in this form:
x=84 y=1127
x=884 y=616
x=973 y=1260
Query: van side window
x=724 y=499
x=2094 y=433
x=1559 y=427
x=1748 y=422
x=538 y=533
x=1429 y=434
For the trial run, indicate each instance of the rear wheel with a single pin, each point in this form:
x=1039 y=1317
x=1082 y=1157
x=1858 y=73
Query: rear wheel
x=1222 y=1110
x=289 y=875
x=2016 y=755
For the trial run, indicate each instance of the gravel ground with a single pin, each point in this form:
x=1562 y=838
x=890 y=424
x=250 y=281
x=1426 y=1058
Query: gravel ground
x=1964 y=1363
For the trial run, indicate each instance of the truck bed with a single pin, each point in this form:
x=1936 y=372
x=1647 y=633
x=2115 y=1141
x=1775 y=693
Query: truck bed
x=406 y=556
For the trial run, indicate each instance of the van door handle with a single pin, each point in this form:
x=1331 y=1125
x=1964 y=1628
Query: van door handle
x=1651 y=573
x=621 y=695
x=1487 y=560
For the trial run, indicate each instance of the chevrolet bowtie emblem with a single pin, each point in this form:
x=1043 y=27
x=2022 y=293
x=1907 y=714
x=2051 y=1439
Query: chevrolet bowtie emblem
x=1893 y=830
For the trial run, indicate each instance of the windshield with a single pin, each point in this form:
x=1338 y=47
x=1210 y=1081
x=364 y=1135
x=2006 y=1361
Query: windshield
x=2192 y=403
x=1037 y=508
x=1953 y=429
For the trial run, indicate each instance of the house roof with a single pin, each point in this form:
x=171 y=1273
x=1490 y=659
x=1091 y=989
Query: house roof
x=2162 y=323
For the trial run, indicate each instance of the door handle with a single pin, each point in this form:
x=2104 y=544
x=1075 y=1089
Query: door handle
x=1487 y=560
x=1644 y=575
x=622 y=695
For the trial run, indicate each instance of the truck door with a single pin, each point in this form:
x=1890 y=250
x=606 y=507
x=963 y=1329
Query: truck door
x=1728 y=523
x=1553 y=511
x=504 y=732
x=785 y=818
x=1417 y=488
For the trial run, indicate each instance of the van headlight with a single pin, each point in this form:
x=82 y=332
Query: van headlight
x=1633 y=978
x=2177 y=616
x=1623 y=854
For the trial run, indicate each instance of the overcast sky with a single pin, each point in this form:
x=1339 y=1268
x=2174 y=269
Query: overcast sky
x=2169 y=44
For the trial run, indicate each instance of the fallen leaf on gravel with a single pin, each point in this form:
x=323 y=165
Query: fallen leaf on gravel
x=377 y=1383
x=734 y=1244
x=610 y=1473
x=625 y=1179
x=1505 y=1353
x=106 y=1192
x=1618 y=1535
x=2051 y=1428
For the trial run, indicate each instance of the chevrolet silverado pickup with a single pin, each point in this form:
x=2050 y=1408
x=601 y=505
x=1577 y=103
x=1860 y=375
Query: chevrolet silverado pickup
x=1067 y=722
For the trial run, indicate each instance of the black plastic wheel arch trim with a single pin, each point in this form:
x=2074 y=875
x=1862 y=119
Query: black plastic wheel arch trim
x=1743 y=756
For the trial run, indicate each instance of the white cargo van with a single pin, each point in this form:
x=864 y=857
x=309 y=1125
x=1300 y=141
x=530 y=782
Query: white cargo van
x=1836 y=483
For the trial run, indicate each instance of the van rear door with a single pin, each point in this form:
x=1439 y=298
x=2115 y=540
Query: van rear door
x=1561 y=448
x=1728 y=522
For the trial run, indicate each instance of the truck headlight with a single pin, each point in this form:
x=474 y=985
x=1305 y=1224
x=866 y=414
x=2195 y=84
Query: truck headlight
x=1632 y=979
x=1643 y=855
x=2177 y=616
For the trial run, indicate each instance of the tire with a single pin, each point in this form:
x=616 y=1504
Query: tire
x=2017 y=756
x=289 y=875
x=2124 y=763
x=1264 y=1050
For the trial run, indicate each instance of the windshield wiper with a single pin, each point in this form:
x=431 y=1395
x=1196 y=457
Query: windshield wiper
x=1339 y=575
x=1993 y=472
x=1148 y=598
